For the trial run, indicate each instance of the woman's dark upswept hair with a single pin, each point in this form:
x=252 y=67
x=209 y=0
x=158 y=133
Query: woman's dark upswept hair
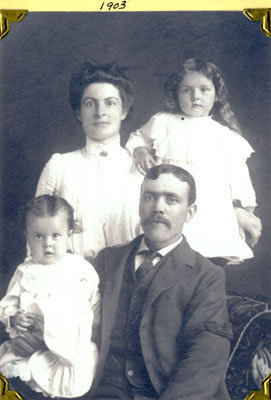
x=221 y=110
x=92 y=72
x=47 y=205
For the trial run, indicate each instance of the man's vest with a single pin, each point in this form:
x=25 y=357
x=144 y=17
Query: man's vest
x=125 y=368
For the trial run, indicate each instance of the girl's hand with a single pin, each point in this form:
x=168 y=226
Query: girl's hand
x=22 y=321
x=143 y=159
x=250 y=224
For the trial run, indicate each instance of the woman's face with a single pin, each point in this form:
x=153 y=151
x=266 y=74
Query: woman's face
x=196 y=95
x=101 y=111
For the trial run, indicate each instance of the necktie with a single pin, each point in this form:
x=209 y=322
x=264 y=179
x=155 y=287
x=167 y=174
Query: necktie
x=147 y=264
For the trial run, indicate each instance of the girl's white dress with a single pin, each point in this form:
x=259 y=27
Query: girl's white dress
x=216 y=157
x=64 y=299
x=101 y=185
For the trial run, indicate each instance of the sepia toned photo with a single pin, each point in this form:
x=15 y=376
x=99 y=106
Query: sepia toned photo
x=135 y=205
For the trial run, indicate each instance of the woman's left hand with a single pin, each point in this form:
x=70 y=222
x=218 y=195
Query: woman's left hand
x=251 y=225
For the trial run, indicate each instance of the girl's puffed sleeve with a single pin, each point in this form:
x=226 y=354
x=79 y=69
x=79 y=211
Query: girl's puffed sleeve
x=143 y=137
x=238 y=151
x=50 y=179
x=9 y=305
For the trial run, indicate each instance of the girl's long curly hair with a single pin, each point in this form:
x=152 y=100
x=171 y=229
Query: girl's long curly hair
x=221 y=110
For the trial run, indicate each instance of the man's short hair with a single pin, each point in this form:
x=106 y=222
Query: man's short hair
x=179 y=173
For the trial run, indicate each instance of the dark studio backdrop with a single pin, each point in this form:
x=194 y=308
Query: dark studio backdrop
x=38 y=56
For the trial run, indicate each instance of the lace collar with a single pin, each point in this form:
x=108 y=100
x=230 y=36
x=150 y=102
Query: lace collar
x=188 y=118
x=94 y=148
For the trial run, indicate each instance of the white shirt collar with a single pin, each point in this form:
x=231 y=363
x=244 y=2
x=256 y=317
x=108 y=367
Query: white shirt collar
x=162 y=251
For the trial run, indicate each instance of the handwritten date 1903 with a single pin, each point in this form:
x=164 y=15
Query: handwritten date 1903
x=113 y=6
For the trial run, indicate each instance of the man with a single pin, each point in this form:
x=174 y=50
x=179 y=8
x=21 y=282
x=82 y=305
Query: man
x=164 y=329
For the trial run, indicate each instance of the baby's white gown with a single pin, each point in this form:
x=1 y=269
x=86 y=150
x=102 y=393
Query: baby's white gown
x=63 y=297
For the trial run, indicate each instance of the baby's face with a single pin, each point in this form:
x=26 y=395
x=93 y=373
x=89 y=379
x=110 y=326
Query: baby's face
x=47 y=237
x=196 y=95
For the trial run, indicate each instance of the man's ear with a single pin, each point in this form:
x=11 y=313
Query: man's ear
x=192 y=209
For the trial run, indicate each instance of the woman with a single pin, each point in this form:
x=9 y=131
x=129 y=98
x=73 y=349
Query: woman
x=97 y=180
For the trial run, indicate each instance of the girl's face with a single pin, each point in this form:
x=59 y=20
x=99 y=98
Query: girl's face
x=101 y=111
x=196 y=95
x=48 y=237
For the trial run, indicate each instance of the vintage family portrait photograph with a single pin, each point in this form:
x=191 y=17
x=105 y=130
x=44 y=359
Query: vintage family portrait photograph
x=135 y=205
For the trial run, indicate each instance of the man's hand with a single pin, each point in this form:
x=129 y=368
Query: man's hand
x=27 y=345
x=143 y=159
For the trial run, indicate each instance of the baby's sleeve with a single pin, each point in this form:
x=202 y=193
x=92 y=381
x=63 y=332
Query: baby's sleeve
x=50 y=178
x=95 y=302
x=10 y=303
x=239 y=177
x=142 y=137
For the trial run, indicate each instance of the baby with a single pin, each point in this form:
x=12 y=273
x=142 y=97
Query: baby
x=55 y=297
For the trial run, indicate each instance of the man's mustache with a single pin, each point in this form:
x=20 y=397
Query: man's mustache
x=157 y=219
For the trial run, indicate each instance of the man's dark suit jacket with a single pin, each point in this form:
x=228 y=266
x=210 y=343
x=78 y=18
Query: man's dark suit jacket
x=184 y=329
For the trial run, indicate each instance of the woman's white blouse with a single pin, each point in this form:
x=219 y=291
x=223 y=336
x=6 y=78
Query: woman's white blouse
x=102 y=187
x=64 y=298
x=216 y=157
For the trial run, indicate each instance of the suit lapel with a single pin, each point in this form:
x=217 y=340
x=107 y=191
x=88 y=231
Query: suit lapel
x=114 y=269
x=174 y=266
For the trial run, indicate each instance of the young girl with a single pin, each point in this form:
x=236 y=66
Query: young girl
x=54 y=296
x=98 y=179
x=200 y=133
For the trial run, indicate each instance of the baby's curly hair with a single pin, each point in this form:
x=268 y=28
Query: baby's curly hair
x=47 y=205
x=221 y=110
